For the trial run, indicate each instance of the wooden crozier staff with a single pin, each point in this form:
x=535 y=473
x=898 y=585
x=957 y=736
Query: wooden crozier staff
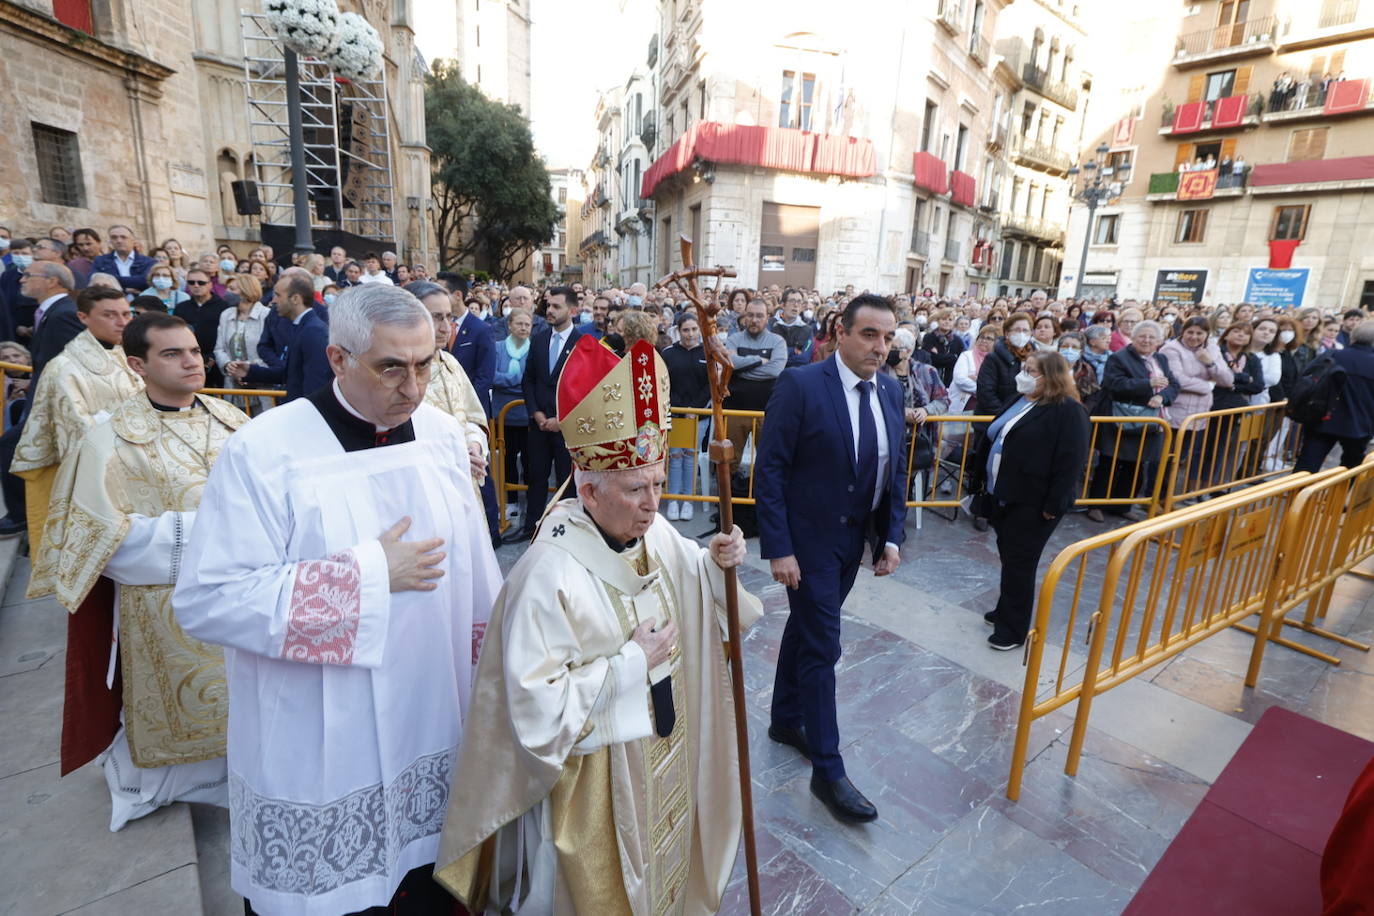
x=718 y=368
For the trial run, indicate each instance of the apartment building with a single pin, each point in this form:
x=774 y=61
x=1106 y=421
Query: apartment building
x=1249 y=132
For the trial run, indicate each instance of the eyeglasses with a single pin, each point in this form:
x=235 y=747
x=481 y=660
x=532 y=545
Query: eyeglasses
x=395 y=376
x=197 y=282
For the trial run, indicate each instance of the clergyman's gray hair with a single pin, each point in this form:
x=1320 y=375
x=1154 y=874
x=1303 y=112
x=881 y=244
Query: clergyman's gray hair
x=361 y=308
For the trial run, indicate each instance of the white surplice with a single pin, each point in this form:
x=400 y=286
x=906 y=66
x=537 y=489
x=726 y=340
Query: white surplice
x=346 y=702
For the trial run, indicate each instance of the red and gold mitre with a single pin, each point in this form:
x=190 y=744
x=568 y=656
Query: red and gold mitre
x=614 y=412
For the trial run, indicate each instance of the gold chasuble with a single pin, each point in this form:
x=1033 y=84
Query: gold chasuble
x=569 y=798
x=75 y=387
x=140 y=469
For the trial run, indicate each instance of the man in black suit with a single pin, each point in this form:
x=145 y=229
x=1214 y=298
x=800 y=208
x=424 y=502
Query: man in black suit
x=831 y=481
x=55 y=325
x=305 y=366
x=202 y=313
x=549 y=349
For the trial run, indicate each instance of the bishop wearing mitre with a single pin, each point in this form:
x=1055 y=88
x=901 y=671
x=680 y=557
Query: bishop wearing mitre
x=598 y=772
x=122 y=508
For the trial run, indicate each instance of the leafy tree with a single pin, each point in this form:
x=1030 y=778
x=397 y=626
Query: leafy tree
x=491 y=191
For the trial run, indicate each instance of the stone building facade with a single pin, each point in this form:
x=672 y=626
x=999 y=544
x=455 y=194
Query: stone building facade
x=133 y=111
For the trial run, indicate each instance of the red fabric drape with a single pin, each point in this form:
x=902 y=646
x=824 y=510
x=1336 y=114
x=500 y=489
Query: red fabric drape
x=962 y=188
x=1347 y=95
x=930 y=173
x=1348 y=168
x=1281 y=253
x=90 y=710
x=1348 y=860
x=1188 y=117
x=1230 y=111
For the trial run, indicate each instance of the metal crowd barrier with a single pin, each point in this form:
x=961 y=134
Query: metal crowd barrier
x=1219 y=449
x=1166 y=584
x=244 y=397
x=1327 y=533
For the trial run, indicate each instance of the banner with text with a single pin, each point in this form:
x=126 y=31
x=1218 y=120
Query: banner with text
x=1182 y=286
x=1281 y=288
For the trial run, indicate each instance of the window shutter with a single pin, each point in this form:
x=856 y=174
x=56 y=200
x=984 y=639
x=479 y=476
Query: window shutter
x=1228 y=148
x=1195 y=87
x=1242 y=82
x=1316 y=143
x=1337 y=63
x=1183 y=154
x=1317 y=67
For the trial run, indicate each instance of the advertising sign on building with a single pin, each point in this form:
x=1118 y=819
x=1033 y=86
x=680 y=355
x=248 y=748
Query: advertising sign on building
x=1182 y=286
x=1279 y=288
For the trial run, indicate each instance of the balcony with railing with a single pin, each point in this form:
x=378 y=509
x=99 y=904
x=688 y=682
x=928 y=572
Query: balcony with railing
x=950 y=15
x=1041 y=156
x=1230 y=113
x=597 y=239
x=979 y=48
x=952 y=251
x=997 y=135
x=1312 y=99
x=988 y=202
x=1033 y=227
x=920 y=243
x=1227 y=42
x=1039 y=80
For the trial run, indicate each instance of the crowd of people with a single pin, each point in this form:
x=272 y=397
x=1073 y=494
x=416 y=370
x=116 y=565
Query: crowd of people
x=284 y=567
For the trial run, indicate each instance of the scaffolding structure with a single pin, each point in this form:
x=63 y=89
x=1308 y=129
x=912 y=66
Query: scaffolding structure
x=347 y=140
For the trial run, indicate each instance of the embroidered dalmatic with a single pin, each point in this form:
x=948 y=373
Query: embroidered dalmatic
x=451 y=391
x=122 y=505
x=566 y=799
x=346 y=701
x=75 y=387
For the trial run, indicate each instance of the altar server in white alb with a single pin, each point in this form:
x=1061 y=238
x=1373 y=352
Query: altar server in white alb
x=340 y=556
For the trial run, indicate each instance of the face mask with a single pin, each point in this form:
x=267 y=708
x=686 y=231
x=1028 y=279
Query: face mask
x=22 y=261
x=329 y=298
x=922 y=321
x=807 y=315
x=227 y=266
x=1170 y=318
x=1071 y=354
x=1285 y=337
x=1025 y=382
x=894 y=357
x=162 y=283
x=1019 y=339
x=4 y=244
x=636 y=301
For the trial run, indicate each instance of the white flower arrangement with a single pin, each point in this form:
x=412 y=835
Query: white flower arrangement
x=357 y=49
x=308 y=27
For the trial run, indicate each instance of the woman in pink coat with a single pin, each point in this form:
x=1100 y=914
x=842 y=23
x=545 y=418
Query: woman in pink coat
x=1198 y=366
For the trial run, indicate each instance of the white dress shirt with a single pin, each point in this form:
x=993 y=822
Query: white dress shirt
x=123 y=264
x=850 y=382
x=556 y=341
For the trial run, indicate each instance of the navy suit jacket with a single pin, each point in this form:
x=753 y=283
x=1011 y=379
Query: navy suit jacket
x=137 y=280
x=305 y=366
x=474 y=347
x=806 y=476
x=60 y=327
x=540 y=383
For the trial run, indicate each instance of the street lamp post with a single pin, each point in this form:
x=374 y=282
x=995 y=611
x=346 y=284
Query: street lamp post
x=1097 y=189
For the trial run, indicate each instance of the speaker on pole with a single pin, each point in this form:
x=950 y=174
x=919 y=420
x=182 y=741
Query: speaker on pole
x=246 y=198
x=327 y=206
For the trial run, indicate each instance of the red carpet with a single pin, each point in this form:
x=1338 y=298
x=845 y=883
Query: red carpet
x=1254 y=844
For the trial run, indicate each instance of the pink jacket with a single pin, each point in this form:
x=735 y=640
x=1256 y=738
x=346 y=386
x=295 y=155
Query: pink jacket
x=1195 y=381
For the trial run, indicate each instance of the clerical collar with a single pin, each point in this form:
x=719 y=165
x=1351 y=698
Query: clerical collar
x=354 y=432
x=107 y=346
x=612 y=542
x=165 y=409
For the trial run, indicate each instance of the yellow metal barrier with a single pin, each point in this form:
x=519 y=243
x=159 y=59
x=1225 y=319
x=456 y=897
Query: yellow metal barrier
x=1327 y=533
x=1167 y=584
x=246 y=396
x=1219 y=449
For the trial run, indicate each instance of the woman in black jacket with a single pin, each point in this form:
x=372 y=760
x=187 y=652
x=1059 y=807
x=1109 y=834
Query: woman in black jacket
x=1030 y=463
x=1138 y=379
x=688 y=387
x=1223 y=453
x=997 y=376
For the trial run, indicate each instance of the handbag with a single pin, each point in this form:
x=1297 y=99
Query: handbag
x=1135 y=410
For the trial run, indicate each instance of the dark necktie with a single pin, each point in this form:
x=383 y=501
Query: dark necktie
x=867 y=465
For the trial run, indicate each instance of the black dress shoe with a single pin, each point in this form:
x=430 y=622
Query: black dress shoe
x=10 y=526
x=793 y=737
x=987 y=618
x=844 y=801
x=980 y=524
x=517 y=537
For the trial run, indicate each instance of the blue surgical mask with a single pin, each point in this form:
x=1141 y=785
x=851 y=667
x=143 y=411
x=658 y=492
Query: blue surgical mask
x=1071 y=354
x=329 y=298
x=4 y=244
x=636 y=300
x=227 y=266
x=162 y=283
x=22 y=261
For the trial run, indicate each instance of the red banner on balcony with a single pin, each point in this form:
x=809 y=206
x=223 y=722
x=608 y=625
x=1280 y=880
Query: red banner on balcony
x=1281 y=253
x=1347 y=95
x=962 y=187
x=1196 y=185
x=1124 y=132
x=1348 y=168
x=1230 y=111
x=1188 y=117
x=930 y=173
x=768 y=147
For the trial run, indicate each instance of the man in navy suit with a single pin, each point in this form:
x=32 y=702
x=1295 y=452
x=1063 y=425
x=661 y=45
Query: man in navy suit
x=305 y=366
x=831 y=480
x=549 y=350
x=123 y=262
x=474 y=347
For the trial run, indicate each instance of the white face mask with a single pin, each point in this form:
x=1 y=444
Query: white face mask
x=807 y=314
x=1025 y=382
x=1285 y=337
x=1018 y=339
x=4 y=244
x=1071 y=354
